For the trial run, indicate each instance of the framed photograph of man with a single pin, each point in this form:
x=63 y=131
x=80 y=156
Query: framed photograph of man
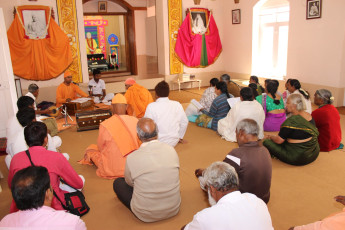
x=199 y=18
x=35 y=23
x=102 y=6
x=236 y=16
x=314 y=8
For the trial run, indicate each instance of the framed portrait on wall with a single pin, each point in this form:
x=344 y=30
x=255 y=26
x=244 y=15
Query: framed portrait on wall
x=35 y=23
x=102 y=6
x=314 y=9
x=236 y=16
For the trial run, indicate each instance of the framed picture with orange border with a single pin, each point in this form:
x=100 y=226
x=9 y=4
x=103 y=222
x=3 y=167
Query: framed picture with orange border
x=236 y=16
x=102 y=7
x=314 y=8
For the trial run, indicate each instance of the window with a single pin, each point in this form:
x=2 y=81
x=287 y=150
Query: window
x=270 y=39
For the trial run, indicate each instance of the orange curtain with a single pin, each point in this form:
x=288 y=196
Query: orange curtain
x=41 y=59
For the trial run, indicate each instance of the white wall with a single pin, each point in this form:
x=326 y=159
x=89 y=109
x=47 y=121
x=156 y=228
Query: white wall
x=92 y=7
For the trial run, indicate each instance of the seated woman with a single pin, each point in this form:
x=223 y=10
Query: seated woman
x=273 y=105
x=206 y=100
x=327 y=120
x=254 y=87
x=219 y=108
x=247 y=108
x=296 y=143
x=255 y=80
x=294 y=86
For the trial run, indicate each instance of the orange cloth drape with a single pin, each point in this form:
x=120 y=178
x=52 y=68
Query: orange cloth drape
x=41 y=59
x=138 y=97
x=117 y=138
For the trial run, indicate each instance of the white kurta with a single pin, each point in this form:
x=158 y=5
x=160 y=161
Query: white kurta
x=170 y=118
x=242 y=110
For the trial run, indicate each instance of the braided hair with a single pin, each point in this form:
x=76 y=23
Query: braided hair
x=295 y=83
x=272 y=88
x=223 y=88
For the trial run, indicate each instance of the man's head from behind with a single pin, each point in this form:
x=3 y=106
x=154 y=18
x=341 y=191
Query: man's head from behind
x=119 y=104
x=247 y=130
x=225 y=78
x=33 y=88
x=25 y=116
x=129 y=82
x=220 y=179
x=162 y=89
x=147 y=130
x=25 y=102
x=36 y=134
x=247 y=94
x=30 y=187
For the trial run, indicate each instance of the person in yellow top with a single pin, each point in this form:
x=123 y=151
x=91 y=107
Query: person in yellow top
x=138 y=98
x=68 y=91
x=117 y=138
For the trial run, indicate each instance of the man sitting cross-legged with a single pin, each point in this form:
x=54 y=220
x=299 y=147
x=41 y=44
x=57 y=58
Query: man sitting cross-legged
x=169 y=116
x=251 y=161
x=116 y=139
x=33 y=196
x=230 y=209
x=151 y=187
x=58 y=167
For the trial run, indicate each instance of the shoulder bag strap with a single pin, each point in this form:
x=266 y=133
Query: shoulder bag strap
x=28 y=154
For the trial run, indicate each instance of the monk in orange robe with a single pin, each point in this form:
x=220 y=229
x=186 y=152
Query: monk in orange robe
x=138 y=98
x=68 y=91
x=116 y=139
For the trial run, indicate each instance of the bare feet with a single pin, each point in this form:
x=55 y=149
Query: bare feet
x=198 y=172
x=340 y=199
x=182 y=141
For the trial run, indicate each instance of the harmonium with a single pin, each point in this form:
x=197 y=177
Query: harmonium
x=91 y=119
x=77 y=107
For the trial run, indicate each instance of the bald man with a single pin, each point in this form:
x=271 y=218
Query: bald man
x=67 y=91
x=116 y=139
x=138 y=98
x=152 y=172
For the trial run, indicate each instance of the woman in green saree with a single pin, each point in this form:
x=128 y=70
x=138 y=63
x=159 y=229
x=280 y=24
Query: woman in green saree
x=296 y=143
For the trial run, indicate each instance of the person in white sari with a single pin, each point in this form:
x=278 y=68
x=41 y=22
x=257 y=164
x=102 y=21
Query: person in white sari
x=247 y=108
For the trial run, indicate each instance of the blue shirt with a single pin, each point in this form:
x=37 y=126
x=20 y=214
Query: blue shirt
x=219 y=109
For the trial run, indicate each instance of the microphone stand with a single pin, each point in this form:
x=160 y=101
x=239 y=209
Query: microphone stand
x=64 y=112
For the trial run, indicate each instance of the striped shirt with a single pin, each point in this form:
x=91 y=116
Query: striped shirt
x=219 y=109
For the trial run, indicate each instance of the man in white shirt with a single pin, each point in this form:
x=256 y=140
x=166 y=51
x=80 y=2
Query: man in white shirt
x=230 y=209
x=169 y=116
x=33 y=93
x=97 y=88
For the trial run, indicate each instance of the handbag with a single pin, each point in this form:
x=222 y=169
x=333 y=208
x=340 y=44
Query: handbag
x=75 y=201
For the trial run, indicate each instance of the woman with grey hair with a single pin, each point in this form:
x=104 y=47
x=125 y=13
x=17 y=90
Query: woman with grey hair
x=296 y=143
x=327 y=121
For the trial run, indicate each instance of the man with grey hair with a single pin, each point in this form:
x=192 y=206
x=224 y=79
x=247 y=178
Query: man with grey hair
x=33 y=91
x=151 y=186
x=251 y=161
x=230 y=209
x=233 y=88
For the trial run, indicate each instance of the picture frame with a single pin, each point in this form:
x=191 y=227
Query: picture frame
x=35 y=23
x=102 y=6
x=236 y=16
x=199 y=18
x=314 y=9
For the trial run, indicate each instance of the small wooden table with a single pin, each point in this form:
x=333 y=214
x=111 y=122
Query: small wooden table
x=179 y=82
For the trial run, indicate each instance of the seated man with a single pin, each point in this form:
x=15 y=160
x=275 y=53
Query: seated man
x=138 y=97
x=67 y=91
x=152 y=172
x=33 y=196
x=116 y=139
x=58 y=167
x=246 y=108
x=97 y=88
x=251 y=161
x=233 y=88
x=33 y=93
x=335 y=221
x=169 y=116
x=230 y=209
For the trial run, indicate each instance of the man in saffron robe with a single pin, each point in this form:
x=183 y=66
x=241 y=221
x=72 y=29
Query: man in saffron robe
x=67 y=91
x=117 y=138
x=138 y=98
